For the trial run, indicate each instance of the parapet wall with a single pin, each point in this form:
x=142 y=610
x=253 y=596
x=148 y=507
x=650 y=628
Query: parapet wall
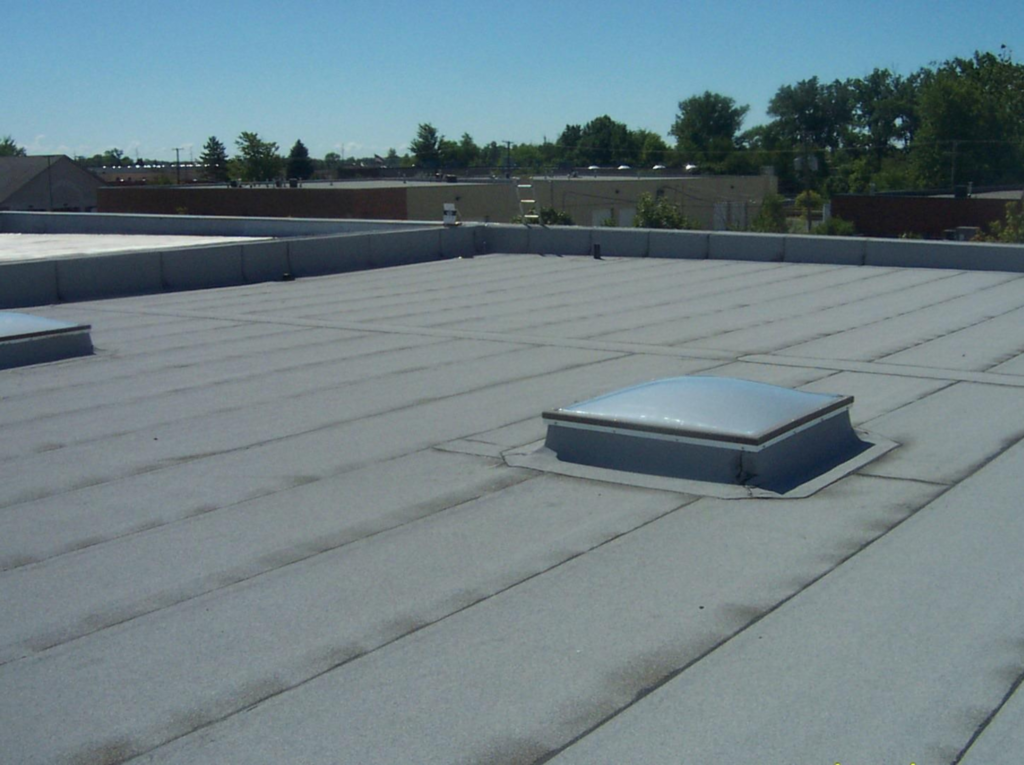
x=771 y=248
x=91 y=277
x=294 y=255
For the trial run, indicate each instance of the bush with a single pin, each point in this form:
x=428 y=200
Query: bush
x=549 y=216
x=660 y=213
x=809 y=200
x=835 y=227
x=1010 y=230
x=771 y=218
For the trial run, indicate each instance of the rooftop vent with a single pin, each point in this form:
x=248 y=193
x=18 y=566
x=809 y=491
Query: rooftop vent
x=715 y=429
x=26 y=339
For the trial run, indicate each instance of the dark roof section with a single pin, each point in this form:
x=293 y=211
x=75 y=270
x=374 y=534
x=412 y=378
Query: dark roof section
x=15 y=172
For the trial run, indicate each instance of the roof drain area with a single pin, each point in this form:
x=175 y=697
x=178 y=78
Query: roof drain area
x=26 y=339
x=712 y=430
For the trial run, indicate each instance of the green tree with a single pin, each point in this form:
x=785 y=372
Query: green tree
x=549 y=153
x=660 y=213
x=299 y=164
x=835 y=227
x=332 y=161
x=426 y=145
x=653 y=149
x=885 y=112
x=605 y=141
x=447 y=153
x=771 y=218
x=527 y=156
x=971 y=122
x=809 y=201
x=467 y=153
x=567 y=144
x=259 y=159
x=765 y=146
x=8 y=148
x=492 y=155
x=115 y=158
x=813 y=114
x=706 y=127
x=1009 y=230
x=214 y=160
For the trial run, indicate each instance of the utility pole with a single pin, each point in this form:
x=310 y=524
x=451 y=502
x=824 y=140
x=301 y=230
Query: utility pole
x=177 y=162
x=508 y=158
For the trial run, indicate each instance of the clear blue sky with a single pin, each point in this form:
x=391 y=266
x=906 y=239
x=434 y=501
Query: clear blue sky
x=79 y=77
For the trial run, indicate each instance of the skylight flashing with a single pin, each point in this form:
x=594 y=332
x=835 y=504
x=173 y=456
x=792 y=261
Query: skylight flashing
x=711 y=440
x=715 y=429
x=27 y=339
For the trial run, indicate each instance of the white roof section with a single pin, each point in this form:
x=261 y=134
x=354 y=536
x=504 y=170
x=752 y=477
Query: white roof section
x=16 y=247
x=273 y=523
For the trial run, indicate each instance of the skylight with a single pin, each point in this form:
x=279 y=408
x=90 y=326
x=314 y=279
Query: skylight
x=27 y=339
x=714 y=429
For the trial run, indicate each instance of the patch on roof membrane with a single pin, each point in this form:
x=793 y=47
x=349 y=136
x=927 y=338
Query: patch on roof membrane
x=707 y=429
x=26 y=339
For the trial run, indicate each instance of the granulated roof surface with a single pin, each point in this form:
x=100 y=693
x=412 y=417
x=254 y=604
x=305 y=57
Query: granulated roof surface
x=272 y=524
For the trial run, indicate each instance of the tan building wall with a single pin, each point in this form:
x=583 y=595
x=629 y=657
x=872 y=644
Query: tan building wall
x=714 y=202
x=592 y=201
x=477 y=202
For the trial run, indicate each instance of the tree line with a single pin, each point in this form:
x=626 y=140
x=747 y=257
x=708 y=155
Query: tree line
x=958 y=122
x=951 y=123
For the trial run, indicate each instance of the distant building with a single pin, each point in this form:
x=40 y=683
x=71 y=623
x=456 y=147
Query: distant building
x=715 y=202
x=159 y=174
x=929 y=217
x=46 y=183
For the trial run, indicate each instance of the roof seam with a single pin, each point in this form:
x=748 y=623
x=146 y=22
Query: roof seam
x=513 y=480
x=724 y=641
x=417 y=628
x=328 y=426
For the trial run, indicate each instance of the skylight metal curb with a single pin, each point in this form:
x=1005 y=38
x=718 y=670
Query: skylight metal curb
x=535 y=456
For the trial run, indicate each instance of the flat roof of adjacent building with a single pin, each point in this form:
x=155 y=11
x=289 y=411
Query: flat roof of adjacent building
x=275 y=523
x=603 y=175
x=19 y=247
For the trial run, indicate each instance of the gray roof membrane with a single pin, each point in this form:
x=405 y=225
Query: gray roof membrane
x=281 y=523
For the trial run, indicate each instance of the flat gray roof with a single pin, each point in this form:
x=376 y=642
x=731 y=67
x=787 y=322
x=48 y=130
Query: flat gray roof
x=272 y=523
